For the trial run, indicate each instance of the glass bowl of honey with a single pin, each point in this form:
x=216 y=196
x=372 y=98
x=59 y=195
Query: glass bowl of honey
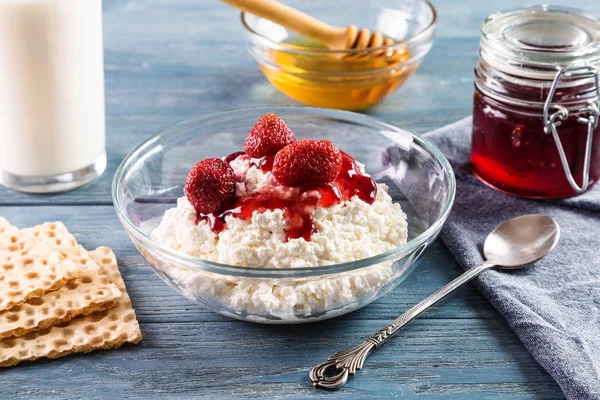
x=353 y=79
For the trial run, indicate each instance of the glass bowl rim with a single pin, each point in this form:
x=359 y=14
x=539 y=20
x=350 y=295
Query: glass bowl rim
x=199 y=264
x=397 y=45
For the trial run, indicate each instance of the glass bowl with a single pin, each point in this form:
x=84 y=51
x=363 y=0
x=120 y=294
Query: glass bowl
x=151 y=178
x=350 y=79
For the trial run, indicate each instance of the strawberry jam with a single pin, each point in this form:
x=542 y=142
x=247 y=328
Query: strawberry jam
x=297 y=203
x=536 y=97
x=264 y=163
x=511 y=152
x=298 y=208
x=233 y=156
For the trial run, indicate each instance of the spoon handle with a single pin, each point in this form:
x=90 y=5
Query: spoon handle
x=333 y=374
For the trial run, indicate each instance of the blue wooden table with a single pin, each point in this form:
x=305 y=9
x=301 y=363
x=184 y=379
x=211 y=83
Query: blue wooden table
x=169 y=60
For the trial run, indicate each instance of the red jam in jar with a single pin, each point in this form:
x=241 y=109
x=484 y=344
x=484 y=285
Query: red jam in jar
x=524 y=55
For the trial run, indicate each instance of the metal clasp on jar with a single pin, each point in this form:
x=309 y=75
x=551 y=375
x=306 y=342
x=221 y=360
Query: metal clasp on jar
x=552 y=121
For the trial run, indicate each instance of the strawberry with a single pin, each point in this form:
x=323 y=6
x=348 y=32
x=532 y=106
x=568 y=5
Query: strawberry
x=268 y=136
x=210 y=185
x=307 y=162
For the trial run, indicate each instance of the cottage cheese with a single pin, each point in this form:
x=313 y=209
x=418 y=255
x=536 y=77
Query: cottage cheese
x=349 y=231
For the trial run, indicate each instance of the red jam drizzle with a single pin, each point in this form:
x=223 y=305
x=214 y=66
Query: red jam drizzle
x=352 y=182
x=298 y=203
x=264 y=163
x=233 y=156
x=298 y=208
x=216 y=223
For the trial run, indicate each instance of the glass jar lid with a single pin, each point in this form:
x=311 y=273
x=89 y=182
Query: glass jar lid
x=535 y=41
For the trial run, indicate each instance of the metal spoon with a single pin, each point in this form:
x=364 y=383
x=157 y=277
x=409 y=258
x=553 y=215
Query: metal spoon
x=511 y=245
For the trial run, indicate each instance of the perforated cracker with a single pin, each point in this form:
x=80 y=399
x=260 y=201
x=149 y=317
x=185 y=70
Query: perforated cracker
x=90 y=292
x=100 y=330
x=53 y=234
x=29 y=268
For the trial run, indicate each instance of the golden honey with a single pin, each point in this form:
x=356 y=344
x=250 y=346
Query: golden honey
x=321 y=79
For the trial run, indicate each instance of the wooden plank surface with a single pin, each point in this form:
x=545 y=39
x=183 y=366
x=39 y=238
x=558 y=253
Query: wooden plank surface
x=167 y=61
x=459 y=349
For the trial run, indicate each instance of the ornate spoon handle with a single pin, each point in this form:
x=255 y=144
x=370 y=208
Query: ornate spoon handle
x=333 y=374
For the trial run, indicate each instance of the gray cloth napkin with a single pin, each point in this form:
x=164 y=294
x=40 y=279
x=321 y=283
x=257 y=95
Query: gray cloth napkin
x=554 y=305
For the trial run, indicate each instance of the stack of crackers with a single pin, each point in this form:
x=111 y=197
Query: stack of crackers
x=56 y=298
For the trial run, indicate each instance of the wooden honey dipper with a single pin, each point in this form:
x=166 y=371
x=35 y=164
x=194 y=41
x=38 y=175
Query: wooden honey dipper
x=335 y=38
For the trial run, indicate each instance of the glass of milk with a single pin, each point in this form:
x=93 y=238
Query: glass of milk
x=52 y=128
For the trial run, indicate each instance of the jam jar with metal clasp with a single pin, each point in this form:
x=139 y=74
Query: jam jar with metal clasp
x=535 y=114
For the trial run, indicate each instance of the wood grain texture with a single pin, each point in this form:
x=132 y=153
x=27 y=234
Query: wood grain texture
x=460 y=348
x=167 y=61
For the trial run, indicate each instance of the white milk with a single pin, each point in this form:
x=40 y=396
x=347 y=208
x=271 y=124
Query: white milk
x=51 y=87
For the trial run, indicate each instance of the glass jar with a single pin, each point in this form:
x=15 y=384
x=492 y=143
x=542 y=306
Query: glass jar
x=535 y=114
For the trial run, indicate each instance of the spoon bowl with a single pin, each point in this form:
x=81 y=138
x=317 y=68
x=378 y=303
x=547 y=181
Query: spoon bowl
x=521 y=241
x=511 y=245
